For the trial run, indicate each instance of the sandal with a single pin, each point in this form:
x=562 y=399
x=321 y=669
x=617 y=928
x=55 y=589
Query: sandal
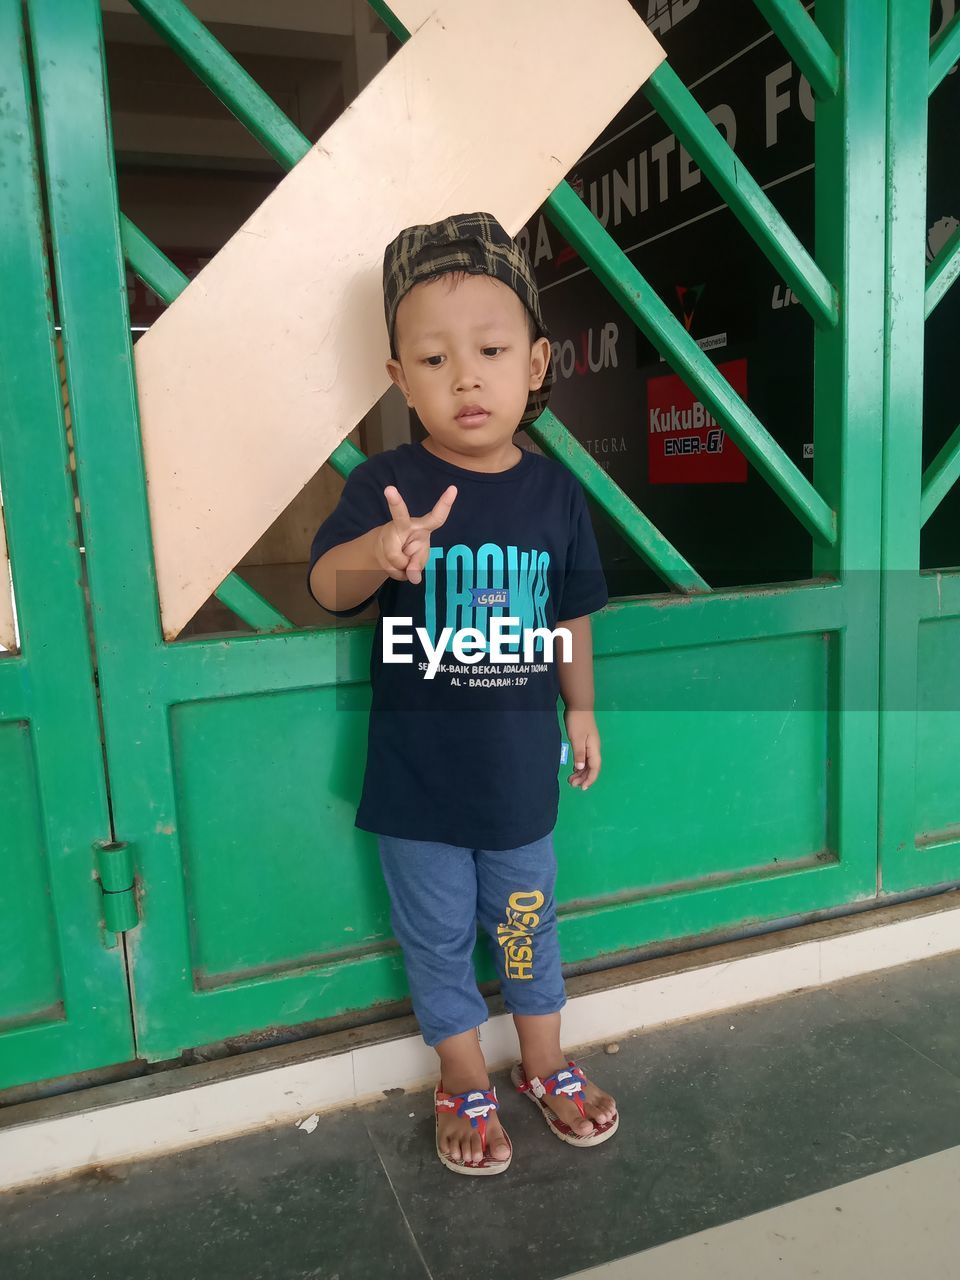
x=568 y=1082
x=476 y=1106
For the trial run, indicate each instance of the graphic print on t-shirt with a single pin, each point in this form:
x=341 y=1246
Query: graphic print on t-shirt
x=469 y=755
x=464 y=588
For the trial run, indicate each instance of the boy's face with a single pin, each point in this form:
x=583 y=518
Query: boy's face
x=466 y=343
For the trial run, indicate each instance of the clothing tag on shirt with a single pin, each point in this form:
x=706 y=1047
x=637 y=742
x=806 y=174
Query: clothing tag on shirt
x=564 y=752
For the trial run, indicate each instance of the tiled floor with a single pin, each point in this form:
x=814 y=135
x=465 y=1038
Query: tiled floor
x=723 y=1118
x=901 y=1222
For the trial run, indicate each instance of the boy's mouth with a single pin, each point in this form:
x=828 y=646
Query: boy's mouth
x=472 y=415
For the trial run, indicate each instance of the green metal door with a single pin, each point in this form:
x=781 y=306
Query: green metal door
x=920 y=690
x=741 y=727
x=231 y=762
x=64 y=1005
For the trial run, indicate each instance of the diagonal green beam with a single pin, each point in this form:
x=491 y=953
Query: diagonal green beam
x=249 y=605
x=660 y=554
x=945 y=52
x=670 y=97
x=221 y=73
x=940 y=477
x=805 y=43
x=148 y=262
x=941 y=273
x=625 y=283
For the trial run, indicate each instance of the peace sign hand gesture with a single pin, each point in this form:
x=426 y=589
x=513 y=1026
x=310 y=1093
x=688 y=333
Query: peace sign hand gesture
x=403 y=545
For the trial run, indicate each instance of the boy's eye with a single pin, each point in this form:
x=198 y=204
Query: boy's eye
x=430 y=360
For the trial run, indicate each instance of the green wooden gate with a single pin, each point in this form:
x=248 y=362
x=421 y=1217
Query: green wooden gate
x=742 y=728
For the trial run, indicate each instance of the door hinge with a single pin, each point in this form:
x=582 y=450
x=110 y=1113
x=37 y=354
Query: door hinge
x=115 y=870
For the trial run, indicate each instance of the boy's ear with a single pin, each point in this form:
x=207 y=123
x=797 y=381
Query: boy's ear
x=539 y=362
x=395 y=370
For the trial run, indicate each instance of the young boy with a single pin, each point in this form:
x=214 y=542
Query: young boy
x=456 y=535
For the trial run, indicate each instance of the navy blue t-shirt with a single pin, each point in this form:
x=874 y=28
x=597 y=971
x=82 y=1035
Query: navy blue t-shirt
x=470 y=755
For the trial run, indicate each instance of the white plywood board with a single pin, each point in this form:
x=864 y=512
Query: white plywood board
x=414 y=13
x=276 y=350
x=8 y=638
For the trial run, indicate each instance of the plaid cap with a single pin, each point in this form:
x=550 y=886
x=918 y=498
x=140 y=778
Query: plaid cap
x=471 y=242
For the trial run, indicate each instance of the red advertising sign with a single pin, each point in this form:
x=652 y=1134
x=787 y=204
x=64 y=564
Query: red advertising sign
x=686 y=443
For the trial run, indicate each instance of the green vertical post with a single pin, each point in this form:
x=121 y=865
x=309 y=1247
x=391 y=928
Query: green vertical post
x=908 y=54
x=848 y=410
x=82 y=195
x=64 y=1005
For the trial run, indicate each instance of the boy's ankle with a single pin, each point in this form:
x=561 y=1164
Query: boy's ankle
x=462 y=1065
x=464 y=1077
x=464 y=1084
x=541 y=1067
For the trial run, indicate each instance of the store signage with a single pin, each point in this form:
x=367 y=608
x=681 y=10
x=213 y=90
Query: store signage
x=686 y=444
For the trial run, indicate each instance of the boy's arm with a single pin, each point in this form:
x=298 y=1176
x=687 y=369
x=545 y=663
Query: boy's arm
x=576 y=676
x=576 y=685
x=348 y=573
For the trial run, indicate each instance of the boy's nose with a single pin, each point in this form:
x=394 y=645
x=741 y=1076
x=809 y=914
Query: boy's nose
x=467 y=378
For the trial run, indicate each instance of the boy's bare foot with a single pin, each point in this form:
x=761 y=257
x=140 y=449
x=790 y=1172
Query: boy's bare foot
x=460 y=1141
x=462 y=1069
x=600 y=1107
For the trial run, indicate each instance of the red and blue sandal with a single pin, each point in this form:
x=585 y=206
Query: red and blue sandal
x=568 y=1082
x=476 y=1106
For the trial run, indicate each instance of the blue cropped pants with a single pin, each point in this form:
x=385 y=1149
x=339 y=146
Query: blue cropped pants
x=439 y=893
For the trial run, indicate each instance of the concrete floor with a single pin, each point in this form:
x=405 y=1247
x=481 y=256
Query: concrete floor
x=812 y=1136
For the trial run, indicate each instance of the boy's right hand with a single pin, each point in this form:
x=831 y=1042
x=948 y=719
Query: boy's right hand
x=403 y=545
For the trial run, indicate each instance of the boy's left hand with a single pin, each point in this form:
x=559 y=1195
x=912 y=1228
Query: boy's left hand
x=585 y=744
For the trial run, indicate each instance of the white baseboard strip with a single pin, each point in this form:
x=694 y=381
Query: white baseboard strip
x=190 y=1106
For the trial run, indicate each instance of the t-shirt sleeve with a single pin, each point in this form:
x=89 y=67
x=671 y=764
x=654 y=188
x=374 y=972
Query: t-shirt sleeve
x=584 y=585
x=361 y=507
